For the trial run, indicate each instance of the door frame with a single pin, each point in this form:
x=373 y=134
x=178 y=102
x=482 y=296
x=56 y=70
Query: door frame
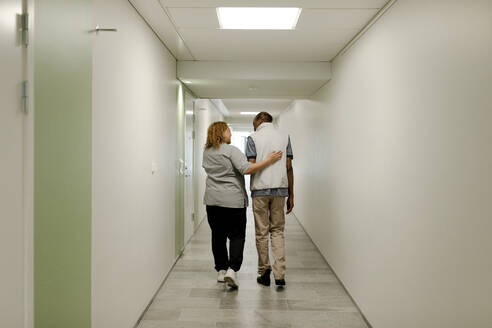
x=188 y=96
x=28 y=7
x=180 y=152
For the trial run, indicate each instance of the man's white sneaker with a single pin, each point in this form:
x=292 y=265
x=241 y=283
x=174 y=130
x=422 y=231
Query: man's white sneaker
x=230 y=278
x=221 y=275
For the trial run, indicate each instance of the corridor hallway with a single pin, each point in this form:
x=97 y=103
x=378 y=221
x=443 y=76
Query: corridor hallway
x=313 y=298
x=105 y=107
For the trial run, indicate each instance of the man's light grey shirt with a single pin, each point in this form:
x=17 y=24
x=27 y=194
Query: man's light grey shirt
x=225 y=167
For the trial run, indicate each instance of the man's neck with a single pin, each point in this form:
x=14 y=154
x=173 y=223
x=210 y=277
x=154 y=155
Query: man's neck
x=263 y=125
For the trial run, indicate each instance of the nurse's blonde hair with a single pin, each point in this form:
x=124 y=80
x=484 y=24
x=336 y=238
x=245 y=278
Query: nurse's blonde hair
x=215 y=134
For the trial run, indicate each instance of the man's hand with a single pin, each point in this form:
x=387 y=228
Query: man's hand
x=290 y=204
x=290 y=178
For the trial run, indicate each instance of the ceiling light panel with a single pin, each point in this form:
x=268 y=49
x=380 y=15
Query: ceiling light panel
x=258 y=18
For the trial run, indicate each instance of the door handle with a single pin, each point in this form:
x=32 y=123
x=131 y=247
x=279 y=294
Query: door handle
x=99 y=29
x=181 y=169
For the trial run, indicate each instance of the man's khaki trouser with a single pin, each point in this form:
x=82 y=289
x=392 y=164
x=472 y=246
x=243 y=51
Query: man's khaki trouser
x=270 y=218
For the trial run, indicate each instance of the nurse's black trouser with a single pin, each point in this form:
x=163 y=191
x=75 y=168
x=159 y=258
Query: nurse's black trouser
x=227 y=223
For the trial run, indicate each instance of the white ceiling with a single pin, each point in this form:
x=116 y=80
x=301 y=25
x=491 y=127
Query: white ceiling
x=224 y=89
x=339 y=4
x=272 y=106
x=190 y=30
x=320 y=34
x=234 y=79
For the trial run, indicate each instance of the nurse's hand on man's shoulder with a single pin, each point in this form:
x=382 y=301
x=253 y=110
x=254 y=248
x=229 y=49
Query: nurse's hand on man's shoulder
x=275 y=156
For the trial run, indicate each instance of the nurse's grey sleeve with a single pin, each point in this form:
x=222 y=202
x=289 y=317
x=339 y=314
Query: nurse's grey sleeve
x=239 y=161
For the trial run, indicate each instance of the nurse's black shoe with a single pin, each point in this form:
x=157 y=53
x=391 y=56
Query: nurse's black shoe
x=264 y=279
x=280 y=282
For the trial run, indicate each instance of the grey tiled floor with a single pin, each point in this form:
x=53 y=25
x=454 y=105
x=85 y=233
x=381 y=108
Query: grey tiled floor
x=191 y=297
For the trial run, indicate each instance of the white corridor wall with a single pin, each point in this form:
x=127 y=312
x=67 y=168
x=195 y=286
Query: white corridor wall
x=134 y=126
x=393 y=163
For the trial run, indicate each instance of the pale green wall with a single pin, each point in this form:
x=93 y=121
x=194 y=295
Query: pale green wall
x=63 y=163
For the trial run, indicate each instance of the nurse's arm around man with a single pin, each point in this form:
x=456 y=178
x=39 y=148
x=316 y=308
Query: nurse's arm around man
x=226 y=198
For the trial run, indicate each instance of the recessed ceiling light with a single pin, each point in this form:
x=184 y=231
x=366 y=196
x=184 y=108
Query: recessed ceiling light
x=258 y=18
x=249 y=113
x=186 y=81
